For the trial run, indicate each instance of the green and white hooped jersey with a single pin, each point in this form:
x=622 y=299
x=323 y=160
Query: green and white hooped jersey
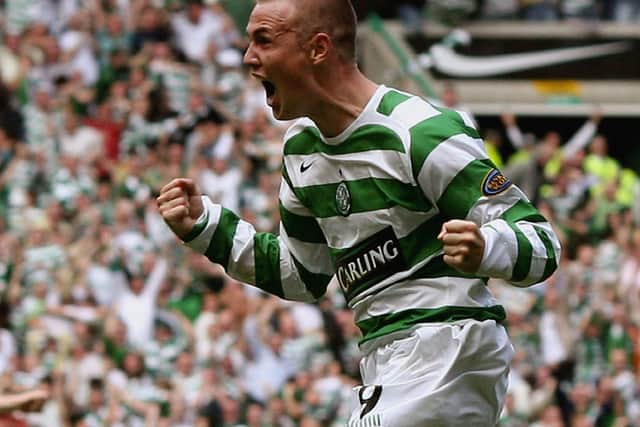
x=366 y=207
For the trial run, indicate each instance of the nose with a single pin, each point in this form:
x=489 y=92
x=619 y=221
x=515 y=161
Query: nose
x=250 y=57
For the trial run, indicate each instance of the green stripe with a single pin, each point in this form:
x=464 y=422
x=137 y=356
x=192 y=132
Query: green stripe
x=523 y=261
x=197 y=228
x=465 y=189
x=314 y=282
x=222 y=240
x=390 y=101
x=366 y=138
x=285 y=176
x=551 y=264
x=266 y=255
x=457 y=118
x=385 y=324
x=287 y=180
x=437 y=268
x=422 y=242
x=303 y=228
x=522 y=211
x=414 y=247
x=525 y=211
x=428 y=134
x=366 y=195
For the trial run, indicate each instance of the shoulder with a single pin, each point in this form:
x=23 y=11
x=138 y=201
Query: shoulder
x=436 y=124
x=297 y=127
x=418 y=113
x=302 y=133
x=423 y=119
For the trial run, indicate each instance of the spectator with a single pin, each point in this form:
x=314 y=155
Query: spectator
x=136 y=304
x=101 y=104
x=195 y=29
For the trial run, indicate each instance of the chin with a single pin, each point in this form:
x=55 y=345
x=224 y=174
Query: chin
x=284 y=115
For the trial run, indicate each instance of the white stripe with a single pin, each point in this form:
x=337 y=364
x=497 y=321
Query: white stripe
x=413 y=111
x=500 y=250
x=397 y=277
x=201 y=242
x=425 y=293
x=297 y=127
x=489 y=208
x=241 y=260
x=344 y=232
x=325 y=169
x=290 y=201
x=539 y=253
x=446 y=161
x=467 y=119
x=548 y=230
x=292 y=286
x=313 y=256
x=368 y=117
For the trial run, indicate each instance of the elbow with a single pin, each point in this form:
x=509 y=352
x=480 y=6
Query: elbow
x=532 y=281
x=551 y=263
x=550 y=268
x=528 y=282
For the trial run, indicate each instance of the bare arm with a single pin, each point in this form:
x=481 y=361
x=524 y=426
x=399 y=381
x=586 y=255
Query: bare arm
x=513 y=131
x=582 y=137
x=31 y=400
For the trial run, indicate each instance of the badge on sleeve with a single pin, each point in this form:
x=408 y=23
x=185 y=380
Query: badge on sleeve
x=495 y=183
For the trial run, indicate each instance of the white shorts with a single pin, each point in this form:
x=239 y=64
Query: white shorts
x=439 y=375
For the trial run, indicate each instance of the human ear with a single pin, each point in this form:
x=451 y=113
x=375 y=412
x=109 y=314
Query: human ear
x=320 y=48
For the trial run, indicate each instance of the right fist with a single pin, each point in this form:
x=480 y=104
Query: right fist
x=180 y=205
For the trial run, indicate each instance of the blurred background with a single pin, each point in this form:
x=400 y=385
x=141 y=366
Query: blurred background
x=102 y=102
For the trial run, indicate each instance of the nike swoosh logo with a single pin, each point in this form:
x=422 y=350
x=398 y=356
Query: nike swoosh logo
x=304 y=167
x=447 y=61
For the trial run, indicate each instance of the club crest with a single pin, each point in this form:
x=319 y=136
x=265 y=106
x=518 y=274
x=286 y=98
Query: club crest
x=495 y=183
x=343 y=199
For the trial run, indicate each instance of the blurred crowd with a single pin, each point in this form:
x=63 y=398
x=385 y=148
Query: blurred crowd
x=413 y=12
x=576 y=336
x=102 y=102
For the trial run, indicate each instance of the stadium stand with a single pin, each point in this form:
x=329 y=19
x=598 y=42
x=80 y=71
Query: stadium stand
x=102 y=102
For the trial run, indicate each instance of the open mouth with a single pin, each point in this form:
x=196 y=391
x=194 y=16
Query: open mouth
x=269 y=88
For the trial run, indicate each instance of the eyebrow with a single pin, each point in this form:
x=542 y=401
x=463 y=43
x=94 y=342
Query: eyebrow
x=256 y=31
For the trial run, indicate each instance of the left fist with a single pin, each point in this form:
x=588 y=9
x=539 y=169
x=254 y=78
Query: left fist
x=463 y=245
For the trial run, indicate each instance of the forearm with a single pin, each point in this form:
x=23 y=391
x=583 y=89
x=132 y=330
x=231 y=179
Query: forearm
x=260 y=259
x=156 y=277
x=457 y=176
x=523 y=252
x=580 y=139
x=16 y=401
x=515 y=136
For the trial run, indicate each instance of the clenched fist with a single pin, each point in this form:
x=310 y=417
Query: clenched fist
x=463 y=245
x=180 y=205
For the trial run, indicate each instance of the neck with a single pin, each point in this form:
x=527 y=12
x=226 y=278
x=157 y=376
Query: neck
x=341 y=99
